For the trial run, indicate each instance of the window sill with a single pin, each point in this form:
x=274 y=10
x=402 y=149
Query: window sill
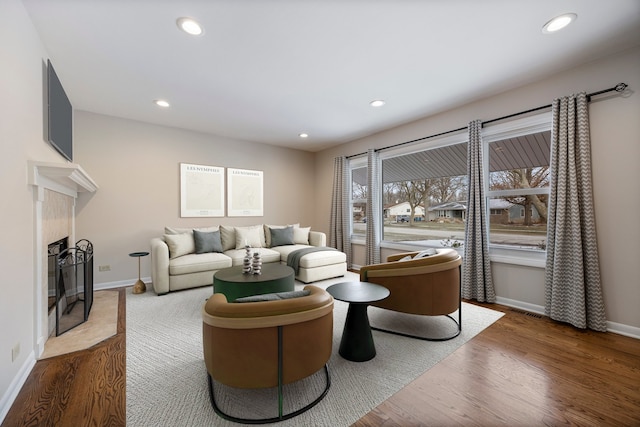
x=502 y=255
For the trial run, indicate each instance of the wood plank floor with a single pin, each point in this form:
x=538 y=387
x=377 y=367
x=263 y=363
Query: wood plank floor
x=524 y=370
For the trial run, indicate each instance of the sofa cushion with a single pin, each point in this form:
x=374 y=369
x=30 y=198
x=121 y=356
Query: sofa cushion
x=180 y=244
x=206 y=241
x=319 y=259
x=281 y=236
x=301 y=235
x=266 y=255
x=252 y=236
x=195 y=263
x=275 y=296
x=313 y=259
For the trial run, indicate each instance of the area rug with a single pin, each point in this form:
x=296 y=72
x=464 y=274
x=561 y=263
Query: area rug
x=167 y=380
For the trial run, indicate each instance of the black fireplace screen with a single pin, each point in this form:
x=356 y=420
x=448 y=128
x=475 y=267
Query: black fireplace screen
x=73 y=285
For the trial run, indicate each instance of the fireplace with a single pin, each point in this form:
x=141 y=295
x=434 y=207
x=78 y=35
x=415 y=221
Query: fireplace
x=56 y=188
x=70 y=283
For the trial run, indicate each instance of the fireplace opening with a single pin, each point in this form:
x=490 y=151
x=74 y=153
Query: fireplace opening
x=70 y=283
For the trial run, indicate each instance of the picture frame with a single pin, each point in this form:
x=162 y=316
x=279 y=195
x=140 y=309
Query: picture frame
x=202 y=190
x=245 y=192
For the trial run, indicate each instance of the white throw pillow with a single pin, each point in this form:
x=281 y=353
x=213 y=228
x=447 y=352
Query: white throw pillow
x=228 y=237
x=425 y=253
x=249 y=236
x=301 y=235
x=180 y=244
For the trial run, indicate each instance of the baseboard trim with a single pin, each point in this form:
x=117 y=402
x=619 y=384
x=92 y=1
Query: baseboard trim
x=621 y=329
x=120 y=283
x=534 y=308
x=613 y=327
x=16 y=385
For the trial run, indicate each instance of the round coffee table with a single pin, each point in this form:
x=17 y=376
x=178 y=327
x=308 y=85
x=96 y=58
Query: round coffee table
x=357 y=342
x=234 y=284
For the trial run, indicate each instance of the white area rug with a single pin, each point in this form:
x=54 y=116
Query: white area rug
x=167 y=379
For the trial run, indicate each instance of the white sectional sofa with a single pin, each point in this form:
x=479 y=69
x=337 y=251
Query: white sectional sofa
x=185 y=258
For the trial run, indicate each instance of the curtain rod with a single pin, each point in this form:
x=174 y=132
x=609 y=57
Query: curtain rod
x=620 y=87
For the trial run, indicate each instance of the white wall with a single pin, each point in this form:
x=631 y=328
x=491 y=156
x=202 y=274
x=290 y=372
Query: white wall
x=23 y=59
x=615 y=132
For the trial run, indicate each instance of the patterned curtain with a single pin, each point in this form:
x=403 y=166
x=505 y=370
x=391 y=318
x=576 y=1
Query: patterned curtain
x=573 y=291
x=374 y=207
x=339 y=235
x=476 y=268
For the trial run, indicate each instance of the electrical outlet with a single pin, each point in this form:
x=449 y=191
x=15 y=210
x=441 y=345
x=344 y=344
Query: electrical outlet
x=15 y=352
x=104 y=268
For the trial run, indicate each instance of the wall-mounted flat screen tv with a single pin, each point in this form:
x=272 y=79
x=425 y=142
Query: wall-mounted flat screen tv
x=59 y=115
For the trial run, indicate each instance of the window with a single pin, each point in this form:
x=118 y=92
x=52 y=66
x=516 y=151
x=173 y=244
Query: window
x=424 y=188
x=359 y=199
x=424 y=193
x=518 y=184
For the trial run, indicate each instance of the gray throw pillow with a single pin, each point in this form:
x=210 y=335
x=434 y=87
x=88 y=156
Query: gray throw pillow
x=274 y=297
x=282 y=236
x=207 y=241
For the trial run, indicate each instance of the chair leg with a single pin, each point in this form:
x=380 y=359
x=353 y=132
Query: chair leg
x=280 y=417
x=449 y=337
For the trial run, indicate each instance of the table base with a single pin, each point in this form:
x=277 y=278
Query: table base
x=357 y=341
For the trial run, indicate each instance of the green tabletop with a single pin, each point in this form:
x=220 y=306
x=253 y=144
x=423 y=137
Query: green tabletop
x=233 y=283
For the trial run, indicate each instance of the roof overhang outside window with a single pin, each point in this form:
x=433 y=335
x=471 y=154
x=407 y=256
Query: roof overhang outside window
x=527 y=151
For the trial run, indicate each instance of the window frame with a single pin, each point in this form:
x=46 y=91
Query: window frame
x=534 y=123
x=540 y=122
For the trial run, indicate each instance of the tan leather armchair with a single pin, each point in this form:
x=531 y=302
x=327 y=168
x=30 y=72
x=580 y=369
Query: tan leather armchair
x=267 y=344
x=427 y=286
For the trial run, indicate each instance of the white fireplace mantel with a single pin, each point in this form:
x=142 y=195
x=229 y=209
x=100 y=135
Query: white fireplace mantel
x=66 y=178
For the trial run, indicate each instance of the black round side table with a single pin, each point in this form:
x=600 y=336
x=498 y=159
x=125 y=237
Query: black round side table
x=139 y=287
x=357 y=341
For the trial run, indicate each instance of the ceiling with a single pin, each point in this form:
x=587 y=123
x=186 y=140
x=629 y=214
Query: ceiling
x=268 y=70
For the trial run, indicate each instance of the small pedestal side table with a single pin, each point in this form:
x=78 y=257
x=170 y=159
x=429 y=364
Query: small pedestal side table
x=357 y=342
x=139 y=287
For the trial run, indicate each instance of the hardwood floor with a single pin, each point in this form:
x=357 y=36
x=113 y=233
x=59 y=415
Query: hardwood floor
x=524 y=370
x=84 y=388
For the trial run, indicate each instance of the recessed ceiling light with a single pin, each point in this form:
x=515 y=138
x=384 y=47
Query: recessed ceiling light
x=377 y=103
x=161 y=103
x=190 y=26
x=558 y=23
x=303 y=135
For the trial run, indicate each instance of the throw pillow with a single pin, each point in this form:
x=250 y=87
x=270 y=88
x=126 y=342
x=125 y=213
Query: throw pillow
x=281 y=236
x=301 y=235
x=267 y=233
x=249 y=236
x=274 y=297
x=180 y=244
x=406 y=258
x=228 y=237
x=206 y=241
x=425 y=253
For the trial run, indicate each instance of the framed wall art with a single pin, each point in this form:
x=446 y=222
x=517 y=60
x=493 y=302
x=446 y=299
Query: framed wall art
x=201 y=190
x=244 y=192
